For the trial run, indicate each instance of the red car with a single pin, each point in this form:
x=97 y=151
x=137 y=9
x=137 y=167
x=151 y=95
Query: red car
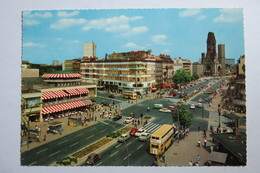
x=133 y=131
x=172 y=93
x=171 y=108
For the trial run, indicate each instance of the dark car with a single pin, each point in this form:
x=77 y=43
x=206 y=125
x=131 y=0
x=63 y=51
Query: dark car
x=93 y=158
x=111 y=96
x=104 y=103
x=117 y=117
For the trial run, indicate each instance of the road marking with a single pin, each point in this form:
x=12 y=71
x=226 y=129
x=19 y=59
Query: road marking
x=128 y=143
x=62 y=142
x=79 y=134
x=118 y=145
x=90 y=136
x=113 y=154
x=54 y=153
x=42 y=150
x=32 y=163
x=74 y=144
x=127 y=156
x=140 y=146
x=92 y=129
x=99 y=164
x=103 y=130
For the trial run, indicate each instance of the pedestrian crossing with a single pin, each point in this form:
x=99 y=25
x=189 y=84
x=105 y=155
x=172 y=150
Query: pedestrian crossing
x=151 y=127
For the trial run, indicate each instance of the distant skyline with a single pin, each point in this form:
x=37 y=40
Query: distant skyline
x=60 y=34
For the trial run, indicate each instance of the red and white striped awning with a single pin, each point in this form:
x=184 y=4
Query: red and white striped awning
x=62 y=107
x=72 y=75
x=54 y=94
x=83 y=90
x=73 y=92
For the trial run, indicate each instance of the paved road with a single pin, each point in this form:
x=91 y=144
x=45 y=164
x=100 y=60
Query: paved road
x=50 y=152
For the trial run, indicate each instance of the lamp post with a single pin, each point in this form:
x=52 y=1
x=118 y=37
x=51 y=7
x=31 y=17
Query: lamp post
x=219 y=113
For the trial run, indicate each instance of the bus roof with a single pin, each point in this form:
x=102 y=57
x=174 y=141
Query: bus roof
x=161 y=131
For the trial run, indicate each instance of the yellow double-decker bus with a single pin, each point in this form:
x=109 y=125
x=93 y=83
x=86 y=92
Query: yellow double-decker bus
x=130 y=95
x=161 y=139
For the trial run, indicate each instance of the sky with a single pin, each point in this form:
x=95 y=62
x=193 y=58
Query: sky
x=60 y=34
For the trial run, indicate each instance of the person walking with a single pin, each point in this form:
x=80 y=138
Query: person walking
x=211 y=148
x=190 y=163
x=199 y=143
x=205 y=142
x=199 y=129
x=198 y=158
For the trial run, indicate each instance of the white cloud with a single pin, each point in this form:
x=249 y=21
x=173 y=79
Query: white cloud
x=201 y=17
x=30 y=22
x=229 y=15
x=67 y=14
x=189 y=12
x=132 y=45
x=31 y=44
x=113 y=24
x=66 y=23
x=30 y=14
x=160 y=39
x=135 y=30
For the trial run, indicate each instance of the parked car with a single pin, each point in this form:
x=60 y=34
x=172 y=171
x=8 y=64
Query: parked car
x=104 y=103
x=117 y=117
x=139 y=132
x=144 y=137
x=158 y=106
x=93 y=158
x=200 y=100
x=192 y=106
x=199 y=105
x=164 y=110
x=171 y=107
x=129 y=120
x=133 y=131
x=123 y=138
x=111 y=96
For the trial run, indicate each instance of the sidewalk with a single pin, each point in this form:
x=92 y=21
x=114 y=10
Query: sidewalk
x=180 y=154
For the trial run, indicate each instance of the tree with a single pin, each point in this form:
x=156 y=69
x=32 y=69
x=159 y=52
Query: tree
x=195 y=76
x=182 y=114
x=181 y=77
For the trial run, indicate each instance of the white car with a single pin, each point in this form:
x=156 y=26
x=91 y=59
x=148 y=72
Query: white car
x=144 y=137
x=140 y=131
x=129 y=120
x=200 y=105
x=192 y=106
x=123 y=138
x=164 y=110
x=200 y=100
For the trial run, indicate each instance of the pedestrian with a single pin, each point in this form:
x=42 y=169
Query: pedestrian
x=138 y=122
x=44 y=137
x=205 y=142
x=37 y=138
x=190 y=163
x=198 y=158
x=198 y=143
x=211 y=148
x=199 y=129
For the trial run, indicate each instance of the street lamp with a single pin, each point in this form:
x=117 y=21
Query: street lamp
x=219 y=113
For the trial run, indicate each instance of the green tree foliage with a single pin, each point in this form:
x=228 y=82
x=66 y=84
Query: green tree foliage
x=185 y=116
x=195 y=76
x=181 y=77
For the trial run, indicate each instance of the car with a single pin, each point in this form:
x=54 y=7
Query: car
x=164 y=110
x=104 y=103
x=93 y=158
x=192 y=106
x=171 y=107
x=169 y=96
x=133 y=131
x=129 y=120
x=123 y=138
x=117 y=117
x=157 y=106
x=199 y=105
x=140 y=131
x=200 y=100
x=111 y=96
x=144 y=137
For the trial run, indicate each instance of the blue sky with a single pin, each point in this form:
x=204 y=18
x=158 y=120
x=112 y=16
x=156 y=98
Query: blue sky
x=60 y=34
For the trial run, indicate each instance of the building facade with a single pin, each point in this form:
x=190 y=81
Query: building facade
x=89 y=49
x=167 y=67
x=133 y=71
x=184 y=64
x=71 y=65
x=198 y=68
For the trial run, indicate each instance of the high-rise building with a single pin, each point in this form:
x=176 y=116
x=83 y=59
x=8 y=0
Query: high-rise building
x=183 y=63
x=89 y=49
